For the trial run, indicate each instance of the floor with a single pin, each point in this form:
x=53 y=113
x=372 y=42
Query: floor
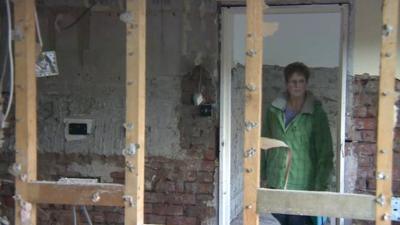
x=266 y=219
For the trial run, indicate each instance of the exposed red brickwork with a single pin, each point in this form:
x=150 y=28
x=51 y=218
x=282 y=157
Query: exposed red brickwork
x=177 y=191
x=364 y=122
x=363 y=135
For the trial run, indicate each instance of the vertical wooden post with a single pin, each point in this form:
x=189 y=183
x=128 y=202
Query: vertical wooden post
x=254 y=60
x=25 y=92
x=387 y=98
x=135 y=109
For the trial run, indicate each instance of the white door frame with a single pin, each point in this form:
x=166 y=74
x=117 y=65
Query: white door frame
x=224 y=204
x=228 y=13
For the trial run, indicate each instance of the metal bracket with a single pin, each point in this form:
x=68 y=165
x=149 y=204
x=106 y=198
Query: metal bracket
x=395 y=209
x=24 y=177
x=26 y=209
x=249 y=170
x=381 y=176
x=128 y=126
x=17 y=34
x=250 y=125
x=126 y=17
x=386 y=30
x=18 y=198
x=249 y=206
x=96 y=197
x=129 y=200
x=131 y=150
x=380 y=200
x=251 y=87
x=130 y=166
x=15 y=169
x=251 y=52
x=250 y=153
x=386 y=217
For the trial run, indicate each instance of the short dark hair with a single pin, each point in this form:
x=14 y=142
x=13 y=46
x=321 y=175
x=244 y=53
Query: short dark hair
x=296 y=67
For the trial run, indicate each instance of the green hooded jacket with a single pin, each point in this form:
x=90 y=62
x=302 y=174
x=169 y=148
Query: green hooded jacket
x=309 y=137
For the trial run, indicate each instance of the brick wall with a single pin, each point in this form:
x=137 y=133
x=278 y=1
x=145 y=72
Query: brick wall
x=177 y=192
x=362 y=136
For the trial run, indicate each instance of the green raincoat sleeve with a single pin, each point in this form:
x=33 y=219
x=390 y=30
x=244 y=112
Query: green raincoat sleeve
x=323 y=150
x=265 y=132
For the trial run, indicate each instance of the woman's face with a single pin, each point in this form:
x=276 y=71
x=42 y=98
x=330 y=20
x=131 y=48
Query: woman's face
x=296 y=85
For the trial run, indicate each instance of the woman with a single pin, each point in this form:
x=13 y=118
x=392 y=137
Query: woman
x=297 y=118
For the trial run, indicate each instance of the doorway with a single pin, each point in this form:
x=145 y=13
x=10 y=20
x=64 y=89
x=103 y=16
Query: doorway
x=312 y=34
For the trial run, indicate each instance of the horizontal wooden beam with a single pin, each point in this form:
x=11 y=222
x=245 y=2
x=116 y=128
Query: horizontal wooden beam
x=285 y=2
x=313 y=203
x=46 y=192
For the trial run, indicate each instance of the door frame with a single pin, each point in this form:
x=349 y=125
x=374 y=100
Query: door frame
x=226 y=58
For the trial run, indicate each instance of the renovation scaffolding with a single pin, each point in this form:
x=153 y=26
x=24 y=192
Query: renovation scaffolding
x=30 y=192
x=354 y=206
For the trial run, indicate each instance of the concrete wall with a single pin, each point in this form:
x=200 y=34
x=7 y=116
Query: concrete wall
x=91 y=83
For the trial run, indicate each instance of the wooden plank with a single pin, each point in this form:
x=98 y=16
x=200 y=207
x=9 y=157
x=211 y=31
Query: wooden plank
x=25 y=92
x=135 y=109
x=268 y=143
x=313 y=203
x=46 y=192
x=387 y=98
x=282 y=2
x=254 y=48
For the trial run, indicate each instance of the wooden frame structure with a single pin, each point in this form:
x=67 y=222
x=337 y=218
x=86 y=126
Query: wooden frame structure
x=228 y=14
x=252 y=114
x=29 y=191
x=355 y=206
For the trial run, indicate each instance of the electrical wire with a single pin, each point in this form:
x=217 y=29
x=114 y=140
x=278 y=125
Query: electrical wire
x=79 y=17
x=74 y=215
x=3 y=45
x=11 y=61
x=4 y=69
x=87 y=215
x=38 y=30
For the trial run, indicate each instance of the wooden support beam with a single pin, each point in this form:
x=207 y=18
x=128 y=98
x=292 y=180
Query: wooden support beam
x=283 y=2
x=46 y=192
x=254 y=52
x=387 y=98
x=135 y=110
x=25 y=114
x=331 y=204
